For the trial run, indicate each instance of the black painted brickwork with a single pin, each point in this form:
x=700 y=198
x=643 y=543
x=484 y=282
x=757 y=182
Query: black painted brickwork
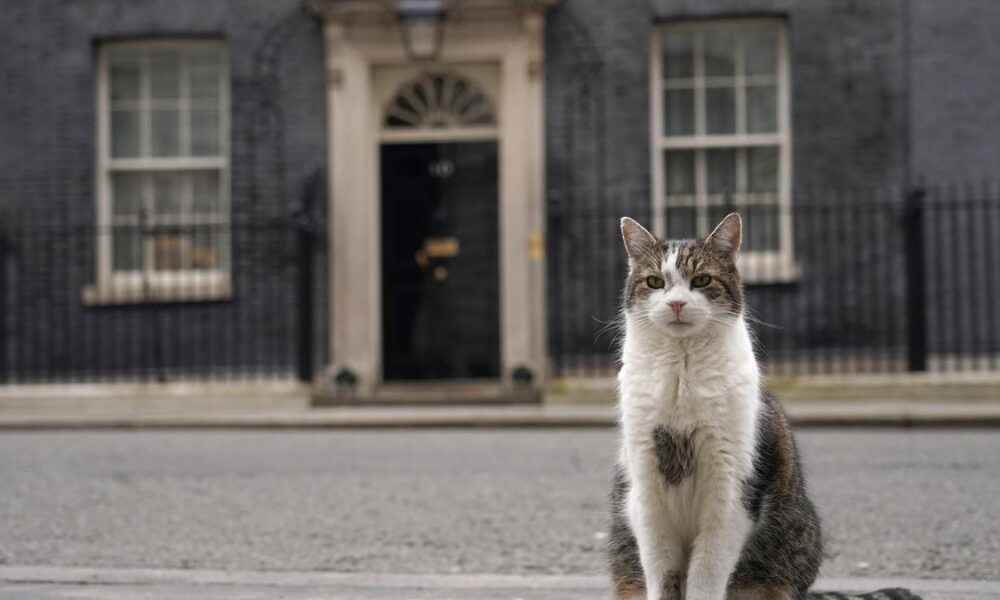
x=880 y=89
x=47 y=171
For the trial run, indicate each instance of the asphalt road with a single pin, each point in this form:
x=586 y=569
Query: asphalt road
x=895 y=503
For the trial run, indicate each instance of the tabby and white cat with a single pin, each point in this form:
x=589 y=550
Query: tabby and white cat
x=708 y=500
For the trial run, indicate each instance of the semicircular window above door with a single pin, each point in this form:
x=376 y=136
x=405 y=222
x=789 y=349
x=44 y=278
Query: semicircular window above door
x=439 y=100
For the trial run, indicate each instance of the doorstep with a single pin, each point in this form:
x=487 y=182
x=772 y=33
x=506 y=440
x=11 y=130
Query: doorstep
x=416 y=393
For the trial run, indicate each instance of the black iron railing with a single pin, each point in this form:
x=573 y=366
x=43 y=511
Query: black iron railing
x=179 y=301
x=859 y=281
x=838 y=283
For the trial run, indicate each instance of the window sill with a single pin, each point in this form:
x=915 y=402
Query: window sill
x=767 y=268
x=130 y=291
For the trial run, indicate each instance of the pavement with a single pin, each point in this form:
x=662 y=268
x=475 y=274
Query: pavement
x=145 y=584
x=442 y=512
x=297 y=414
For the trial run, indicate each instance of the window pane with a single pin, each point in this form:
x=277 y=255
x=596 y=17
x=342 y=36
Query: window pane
x=205 y=198
x=681 y=222
x=126 y=192
x=205 y=246
x=679 y=169
x=720 y=53
x=720 y=110
x=678 y=112
x=124 y=70
x=761 y=224
x=206 y=75
x=204 y=132
x=165 y=74
x=678 y=55
x=168 y=250
x=761 y=51
x=126 y=249
x=165 y=126
x=720 y=170
x=164 y=103
x=762 y=169
x=124 y=133
x=723 y=179
x=168 y=193
x=762 y=109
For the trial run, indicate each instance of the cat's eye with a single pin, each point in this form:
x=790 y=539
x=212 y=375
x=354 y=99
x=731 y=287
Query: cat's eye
x=700 y=281
x=654 y=282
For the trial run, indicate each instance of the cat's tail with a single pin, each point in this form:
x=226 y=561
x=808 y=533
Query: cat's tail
x=886 y=594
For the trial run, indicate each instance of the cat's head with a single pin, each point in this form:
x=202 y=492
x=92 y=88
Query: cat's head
x=683 y=287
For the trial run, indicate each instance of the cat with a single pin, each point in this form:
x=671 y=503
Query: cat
x=708 y=499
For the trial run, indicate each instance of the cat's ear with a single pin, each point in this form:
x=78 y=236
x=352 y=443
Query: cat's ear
x=728 y=235
x=638 y=241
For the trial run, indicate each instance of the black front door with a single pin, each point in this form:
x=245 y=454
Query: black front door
x=440 y=271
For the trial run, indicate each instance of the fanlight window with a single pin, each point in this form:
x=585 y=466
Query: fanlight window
x=439 y=100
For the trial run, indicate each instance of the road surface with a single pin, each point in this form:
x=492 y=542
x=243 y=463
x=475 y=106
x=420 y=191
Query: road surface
x=523 y=503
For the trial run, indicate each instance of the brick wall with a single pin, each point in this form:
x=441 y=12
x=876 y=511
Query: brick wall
x=854 y=127
x=47 y=99
x=955 y=114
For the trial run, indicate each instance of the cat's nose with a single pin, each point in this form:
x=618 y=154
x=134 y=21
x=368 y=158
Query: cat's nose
x=677 y=306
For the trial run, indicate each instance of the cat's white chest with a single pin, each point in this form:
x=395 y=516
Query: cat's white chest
x=688 y=426
x=686 y=398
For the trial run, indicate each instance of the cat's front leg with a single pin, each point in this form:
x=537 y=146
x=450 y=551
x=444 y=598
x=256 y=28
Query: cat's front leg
x=660 y=551
x=717 y=549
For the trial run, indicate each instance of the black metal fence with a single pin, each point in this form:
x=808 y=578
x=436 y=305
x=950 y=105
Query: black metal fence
x=162 y=300
x=859 y=281
x=839 y=283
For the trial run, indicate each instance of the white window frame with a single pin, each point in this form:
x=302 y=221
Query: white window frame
x=149 y=285
x=756 y=266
